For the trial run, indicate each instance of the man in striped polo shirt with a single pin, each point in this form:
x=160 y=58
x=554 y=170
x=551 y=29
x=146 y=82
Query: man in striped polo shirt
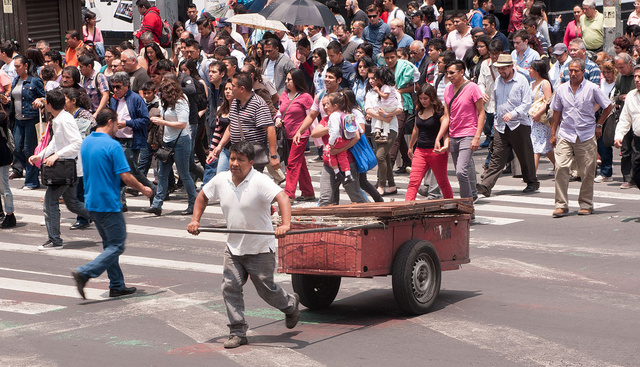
x=250 y=120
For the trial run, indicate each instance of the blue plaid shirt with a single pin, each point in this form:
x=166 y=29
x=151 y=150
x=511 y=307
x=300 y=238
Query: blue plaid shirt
x=591 y=72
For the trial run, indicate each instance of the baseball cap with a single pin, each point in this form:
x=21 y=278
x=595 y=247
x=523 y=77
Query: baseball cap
x=559 y=49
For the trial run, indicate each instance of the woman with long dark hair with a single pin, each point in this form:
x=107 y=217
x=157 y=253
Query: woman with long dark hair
x=319 y=58
x=175 y=119
x=362 y=78
x=430 y=138
x=294 y=104
x=26 y=89
x=480 y=53
x=222 y=123
x=152 y=54
x=91 y=32
x=178 y=28
x=541 y=128
x=37 y=60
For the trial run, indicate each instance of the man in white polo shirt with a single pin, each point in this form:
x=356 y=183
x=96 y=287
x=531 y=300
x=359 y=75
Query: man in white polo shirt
x=245 y=197
x=460 y=39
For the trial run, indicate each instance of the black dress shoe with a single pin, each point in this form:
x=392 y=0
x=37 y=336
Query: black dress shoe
x=531 y=188
x=189 y=211
x=9 y=221
x=152 y=210
x=122 y=292
x=80 y=283
x=400 y=170
x=78 y=225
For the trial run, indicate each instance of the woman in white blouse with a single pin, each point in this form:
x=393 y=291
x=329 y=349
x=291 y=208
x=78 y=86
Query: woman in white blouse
x=175 y=118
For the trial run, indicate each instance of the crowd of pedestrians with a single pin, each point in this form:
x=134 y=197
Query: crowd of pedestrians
x=424 y=84
x=420 y=83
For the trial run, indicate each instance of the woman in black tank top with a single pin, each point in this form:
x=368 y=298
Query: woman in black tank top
x=430 y=138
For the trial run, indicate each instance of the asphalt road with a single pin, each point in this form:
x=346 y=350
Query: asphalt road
x=538 y=292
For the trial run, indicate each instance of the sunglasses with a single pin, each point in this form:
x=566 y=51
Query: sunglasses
x=372 y=16
x=116 y=87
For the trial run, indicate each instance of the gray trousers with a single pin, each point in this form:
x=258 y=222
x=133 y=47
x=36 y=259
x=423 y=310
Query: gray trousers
x=260 y=267
x=51 y=208
x=432 y=185
x=330 y=187
x=462 y=156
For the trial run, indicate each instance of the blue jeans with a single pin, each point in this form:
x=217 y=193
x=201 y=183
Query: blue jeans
x=144 y=160
x=219 y=165
x=606 y=157
x=26 y=139
x=132 y=156
x=112 y=229
x=181 y=154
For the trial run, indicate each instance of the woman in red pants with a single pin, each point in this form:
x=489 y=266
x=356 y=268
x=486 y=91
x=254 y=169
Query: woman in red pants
x=295 y=103
x=430 y=138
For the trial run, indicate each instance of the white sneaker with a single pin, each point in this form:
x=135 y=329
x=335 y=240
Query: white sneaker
x=601 y=178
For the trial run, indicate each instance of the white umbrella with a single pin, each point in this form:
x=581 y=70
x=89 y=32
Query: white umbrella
x=257 y=21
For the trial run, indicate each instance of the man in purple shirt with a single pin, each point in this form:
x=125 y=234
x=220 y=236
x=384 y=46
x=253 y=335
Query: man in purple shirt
x=576 y=136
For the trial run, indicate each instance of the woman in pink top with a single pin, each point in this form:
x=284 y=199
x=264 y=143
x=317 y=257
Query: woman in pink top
x=294 y=107
x=573 y=28
x=91 y=32
x=464 y=108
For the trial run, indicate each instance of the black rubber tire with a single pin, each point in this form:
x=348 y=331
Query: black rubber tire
x=316 y=291
x=416 y=277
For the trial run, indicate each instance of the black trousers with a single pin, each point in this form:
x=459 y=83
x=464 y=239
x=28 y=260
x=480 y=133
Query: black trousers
x=519 y=140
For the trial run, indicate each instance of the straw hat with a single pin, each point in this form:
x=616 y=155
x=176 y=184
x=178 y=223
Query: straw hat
x=504 y=60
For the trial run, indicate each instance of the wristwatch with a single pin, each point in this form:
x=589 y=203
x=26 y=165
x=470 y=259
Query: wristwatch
x=598 y=125
x=274 y=156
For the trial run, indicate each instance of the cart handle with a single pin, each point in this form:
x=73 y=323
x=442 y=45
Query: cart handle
x=300 y=231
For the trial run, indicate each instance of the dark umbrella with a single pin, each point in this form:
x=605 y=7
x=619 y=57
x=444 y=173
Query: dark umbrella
x=300 y=12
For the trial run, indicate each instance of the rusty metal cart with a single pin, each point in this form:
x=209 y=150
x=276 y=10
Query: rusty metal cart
x=411 y=241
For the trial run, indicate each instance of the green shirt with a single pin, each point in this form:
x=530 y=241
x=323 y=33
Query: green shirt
x=592 y=30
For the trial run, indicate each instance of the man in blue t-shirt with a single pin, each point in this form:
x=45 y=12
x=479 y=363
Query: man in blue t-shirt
x=104 y=165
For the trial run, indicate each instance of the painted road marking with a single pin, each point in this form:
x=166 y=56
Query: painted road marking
x=144 y=230
x=27 y=308
x=95 y=315
x=496 y=221
x=124 y=259
x=520 y=269
x=515 y=345
x=50 y=289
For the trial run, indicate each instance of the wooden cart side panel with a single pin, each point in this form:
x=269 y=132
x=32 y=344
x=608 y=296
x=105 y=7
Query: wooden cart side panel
x=326 y=251
x=377 y=250
x=449 y=236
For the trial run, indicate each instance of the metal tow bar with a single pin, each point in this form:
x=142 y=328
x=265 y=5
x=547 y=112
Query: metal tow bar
x=300 y=231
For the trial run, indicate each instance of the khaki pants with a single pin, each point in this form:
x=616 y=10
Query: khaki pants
x=584 y=156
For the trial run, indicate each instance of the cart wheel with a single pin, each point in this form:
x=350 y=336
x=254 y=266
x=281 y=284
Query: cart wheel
x=416 y=276
x=315 y=291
